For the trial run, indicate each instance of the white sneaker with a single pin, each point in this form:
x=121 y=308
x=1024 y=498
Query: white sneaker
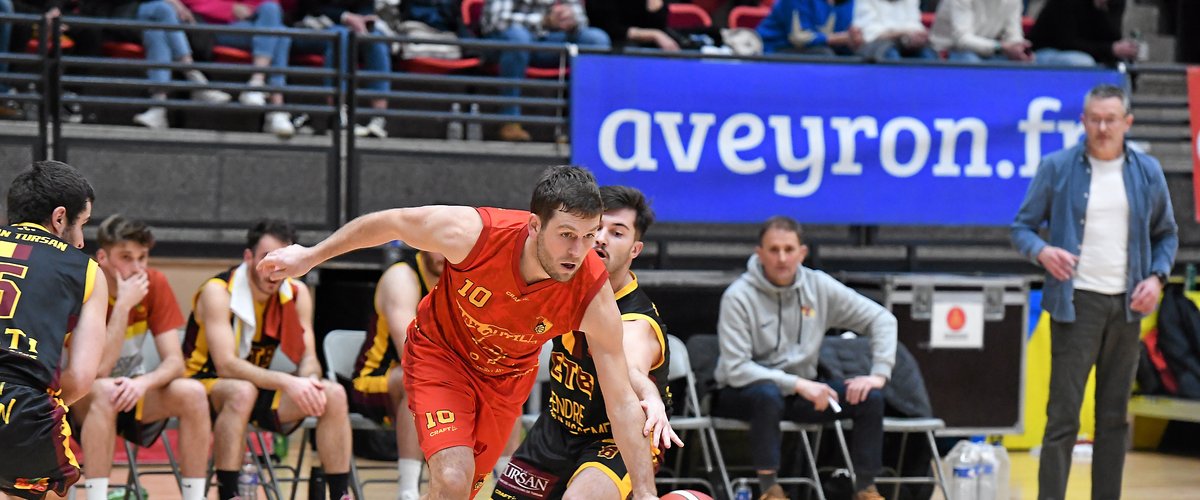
x=154 y=118
x=253 y=97
x=377 y=127
x=211 y=96
x=280 y=124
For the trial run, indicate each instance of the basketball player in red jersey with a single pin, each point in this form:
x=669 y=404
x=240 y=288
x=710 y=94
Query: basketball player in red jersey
x=513 y=281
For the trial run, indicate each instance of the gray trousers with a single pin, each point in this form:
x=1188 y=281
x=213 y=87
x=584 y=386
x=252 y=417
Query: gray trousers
x=1100 y=335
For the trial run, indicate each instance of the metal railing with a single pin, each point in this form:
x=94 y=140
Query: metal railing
x=59 y=80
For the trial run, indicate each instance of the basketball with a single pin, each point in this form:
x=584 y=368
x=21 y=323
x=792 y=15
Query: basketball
x=686 y=495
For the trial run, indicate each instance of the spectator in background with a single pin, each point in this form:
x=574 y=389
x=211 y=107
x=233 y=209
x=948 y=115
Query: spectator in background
x=6 y=7
x=977 y=30
x=1081 y=33
x=357 y=16
x=161 y=46
x=892 y=29
x=633 y=22
x=811 y=27
x=269 y=51
x=771 y=324
x=526 y=21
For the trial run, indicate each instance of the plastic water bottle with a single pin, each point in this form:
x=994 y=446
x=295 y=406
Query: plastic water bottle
x=248 y=478
x=474 y=128
x=988 y=468
x=743 y=490
x=964 y=481
x=454 y=129
x=1003 y=472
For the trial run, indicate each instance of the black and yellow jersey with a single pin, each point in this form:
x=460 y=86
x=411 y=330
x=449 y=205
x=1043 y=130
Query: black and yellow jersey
x=575 y=398
x=44 y=282
x=378 y=352
x=259 y=349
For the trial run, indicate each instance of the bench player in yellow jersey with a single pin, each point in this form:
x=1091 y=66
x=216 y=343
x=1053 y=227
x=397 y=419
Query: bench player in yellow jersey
x=52 y=302
x=240 y=322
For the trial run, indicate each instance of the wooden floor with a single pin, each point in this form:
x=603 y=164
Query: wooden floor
x=1147 y=476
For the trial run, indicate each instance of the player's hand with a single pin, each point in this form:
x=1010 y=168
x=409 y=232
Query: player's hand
x=131 y=290
x=308 y=393
x=816 y=393
x=289 y=262
x=1145 y=295
x=1060 y=263
x=127 y=393
x=857 y=388
x=658 y=425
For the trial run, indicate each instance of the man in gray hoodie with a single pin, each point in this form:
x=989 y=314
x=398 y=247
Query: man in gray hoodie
x=771 y=324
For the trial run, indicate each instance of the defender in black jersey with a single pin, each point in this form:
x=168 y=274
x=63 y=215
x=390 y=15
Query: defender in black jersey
x=50 y=294
x=571 y=446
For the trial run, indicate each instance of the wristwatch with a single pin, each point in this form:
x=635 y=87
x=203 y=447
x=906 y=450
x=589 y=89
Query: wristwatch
x=1162 y=277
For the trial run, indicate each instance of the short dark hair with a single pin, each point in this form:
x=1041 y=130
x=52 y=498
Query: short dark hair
x=44 y=186
x=1107 y=91
x=781 y=222
x=117 y=228
x=282 y=230
x=568 y=188
x=619 y=197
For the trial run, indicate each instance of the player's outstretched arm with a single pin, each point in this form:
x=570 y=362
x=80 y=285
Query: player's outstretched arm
x=602 y=322
x=449 y=230
x=87 y=342
x=643 y=351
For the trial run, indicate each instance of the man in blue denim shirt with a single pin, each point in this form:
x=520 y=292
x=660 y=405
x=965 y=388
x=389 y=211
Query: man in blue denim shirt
x=1112 y=244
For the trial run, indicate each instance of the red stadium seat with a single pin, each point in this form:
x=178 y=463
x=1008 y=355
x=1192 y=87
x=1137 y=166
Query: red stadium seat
x=746 y=16
x=1026 y=24
x=472 y=12
x=685 y=16
x=223 y=54
x=123 y=50
x=32 y=46
x=314 y=60
x=435 y=66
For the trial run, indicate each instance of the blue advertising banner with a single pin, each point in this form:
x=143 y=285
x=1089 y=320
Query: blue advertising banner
x=739 y=141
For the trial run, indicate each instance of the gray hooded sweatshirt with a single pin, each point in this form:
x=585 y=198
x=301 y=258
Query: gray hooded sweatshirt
x=774 y=333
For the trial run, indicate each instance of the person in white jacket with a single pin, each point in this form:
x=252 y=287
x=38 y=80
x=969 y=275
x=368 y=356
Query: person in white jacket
x=974 y=31
x=771 y=324
x=892 y=29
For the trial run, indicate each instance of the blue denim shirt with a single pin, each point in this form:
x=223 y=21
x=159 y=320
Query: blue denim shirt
x=1057 y=197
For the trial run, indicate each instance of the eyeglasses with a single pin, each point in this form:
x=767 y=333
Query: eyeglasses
x=1108 y=122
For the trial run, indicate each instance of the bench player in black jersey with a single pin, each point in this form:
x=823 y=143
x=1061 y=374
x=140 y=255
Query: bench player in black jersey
x=50 y=292
x=570 y=450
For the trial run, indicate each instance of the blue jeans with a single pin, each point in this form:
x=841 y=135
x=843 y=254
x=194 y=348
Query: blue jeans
x=513 y=63
x=162 y=46
x=1056 y=57
x=6 y=7
x=966 y=56
x=268 y=15
x=375 y=56
x=763 y=406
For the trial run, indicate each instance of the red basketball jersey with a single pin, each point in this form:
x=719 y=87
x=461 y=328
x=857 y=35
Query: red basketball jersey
x=483 y=311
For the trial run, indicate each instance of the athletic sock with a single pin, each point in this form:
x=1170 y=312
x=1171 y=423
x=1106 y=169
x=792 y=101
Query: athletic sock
x=97 y=489
x=227 y=484
x=410 y=474
x=193 y=488
x=767 y=480
x=338 y=484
